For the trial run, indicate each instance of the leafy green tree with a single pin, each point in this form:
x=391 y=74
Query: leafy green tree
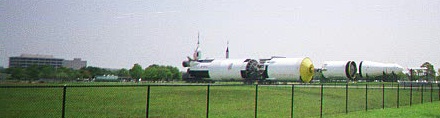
x=74 y=74
x=165 y=73
x=2 y=70
x=430 y=72
x=438 y=77
x=413 y=74
x=151 y=73
x=176 y=75
x=402 y=77
x=47 y=72
x=84 y=73
x=17 y=73
x=95 y=71
x=136 y=71
x=62 y=73
x=123 y=73
x=33 y=72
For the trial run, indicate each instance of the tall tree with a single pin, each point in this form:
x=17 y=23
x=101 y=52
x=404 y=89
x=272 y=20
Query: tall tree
x=17 y=73
x=96 y=71
x=430 y=71
x=33 y=72
x=123 y=73
x=166 y=73
x=151 y=73
x=136 y=71
x=85 y=73
x=2 y=70
x=47 y=72
x=438 y=77
x=176 y=75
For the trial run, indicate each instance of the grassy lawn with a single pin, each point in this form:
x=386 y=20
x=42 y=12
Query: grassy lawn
x=190 y=101
x=426 y=110
x=30 y=102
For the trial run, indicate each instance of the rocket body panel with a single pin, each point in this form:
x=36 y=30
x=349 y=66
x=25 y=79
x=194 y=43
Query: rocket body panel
x=222 y=69
x=229 y=69
x=283 y=69
x=334 y=69
x=394 y=68
x=339 y=69
x=289 y=69
x=373 y=69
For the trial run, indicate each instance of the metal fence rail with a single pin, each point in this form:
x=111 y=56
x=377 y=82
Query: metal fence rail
x=85 y=100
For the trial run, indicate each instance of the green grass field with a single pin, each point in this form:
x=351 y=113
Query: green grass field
x=190 y=101
x=429 y=110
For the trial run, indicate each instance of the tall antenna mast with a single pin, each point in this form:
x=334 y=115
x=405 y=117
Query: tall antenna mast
x=227 y=50
x=197 y=53
x=198 y=38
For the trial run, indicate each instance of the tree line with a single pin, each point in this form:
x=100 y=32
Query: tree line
x=155 y=73
x=151 y=73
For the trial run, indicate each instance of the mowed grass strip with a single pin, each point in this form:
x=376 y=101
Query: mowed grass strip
x=426 y=110
x=30 y=102
x=190 y=101
x=105 y=102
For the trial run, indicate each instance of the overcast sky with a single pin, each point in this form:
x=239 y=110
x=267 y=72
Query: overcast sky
x=120 y=33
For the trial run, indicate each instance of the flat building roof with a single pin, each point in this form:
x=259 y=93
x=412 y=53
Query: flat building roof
x=36 y=56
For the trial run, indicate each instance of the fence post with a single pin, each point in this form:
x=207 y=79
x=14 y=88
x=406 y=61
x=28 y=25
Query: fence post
x=207 y=101
x=383 y=96
x=148 y=102
x=63 y=110
x=293 y=93
x=398 y=87
x=431 y=92
x=256 y=100
x=410 y=95
x=346 y=98
x=366 y=97
x=421 y=97
x=322 y=100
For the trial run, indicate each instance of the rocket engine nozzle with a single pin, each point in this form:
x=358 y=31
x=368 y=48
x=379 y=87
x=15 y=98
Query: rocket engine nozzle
x=186 y=64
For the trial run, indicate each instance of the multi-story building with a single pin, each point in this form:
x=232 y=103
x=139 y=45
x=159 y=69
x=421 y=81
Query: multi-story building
x=76 y=63
x=26 y=60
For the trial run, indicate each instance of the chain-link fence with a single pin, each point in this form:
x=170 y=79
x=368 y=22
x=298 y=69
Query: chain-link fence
x=311 y=100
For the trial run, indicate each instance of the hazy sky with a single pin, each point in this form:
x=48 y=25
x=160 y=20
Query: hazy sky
x=120 y=33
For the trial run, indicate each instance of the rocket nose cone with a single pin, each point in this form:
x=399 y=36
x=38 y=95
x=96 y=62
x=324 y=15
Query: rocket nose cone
x=307 y=70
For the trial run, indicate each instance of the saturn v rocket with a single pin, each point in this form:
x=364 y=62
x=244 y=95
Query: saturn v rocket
x=248 y=70
x=278 y=69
